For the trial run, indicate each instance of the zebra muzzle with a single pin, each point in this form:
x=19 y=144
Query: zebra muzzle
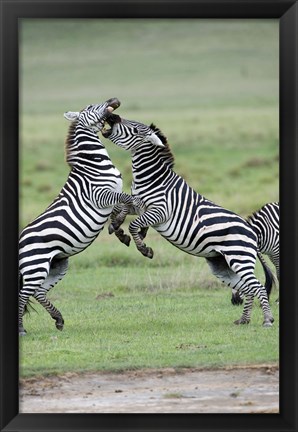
x=113 y=104
x=110 y=121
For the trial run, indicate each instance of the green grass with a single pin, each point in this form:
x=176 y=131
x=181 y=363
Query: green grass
x=122 y=311
x=212 y=87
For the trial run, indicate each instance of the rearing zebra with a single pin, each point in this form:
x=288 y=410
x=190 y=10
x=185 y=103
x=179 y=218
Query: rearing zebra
x=78 y=214
x=184 y=217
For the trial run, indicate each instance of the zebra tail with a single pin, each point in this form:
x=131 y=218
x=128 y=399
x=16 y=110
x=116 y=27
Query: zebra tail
x=269 y=277
x=28 y=307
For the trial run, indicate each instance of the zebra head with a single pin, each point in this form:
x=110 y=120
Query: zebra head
x=93 y=116
x=130 y=134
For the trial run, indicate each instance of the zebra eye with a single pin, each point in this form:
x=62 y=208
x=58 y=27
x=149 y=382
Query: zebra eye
x=135 y=130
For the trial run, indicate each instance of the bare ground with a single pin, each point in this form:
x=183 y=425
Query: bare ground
x=253 y=389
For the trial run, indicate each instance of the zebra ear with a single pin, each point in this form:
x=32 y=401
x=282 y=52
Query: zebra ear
x=153 y=138
x=71 y=115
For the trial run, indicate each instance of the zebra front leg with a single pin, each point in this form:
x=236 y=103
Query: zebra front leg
x=107 y=198
x=143 y=232
x=141 y=246
x=121 y=236
x=118 y=216
x=141 y=225
x=124 y=238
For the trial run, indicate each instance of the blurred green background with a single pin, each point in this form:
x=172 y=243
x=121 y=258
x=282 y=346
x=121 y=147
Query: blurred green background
x=210 y=85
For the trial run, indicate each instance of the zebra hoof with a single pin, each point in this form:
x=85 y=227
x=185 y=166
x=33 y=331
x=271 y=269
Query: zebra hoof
x=150 y=253
x=147 y=252
x=268 y=322
x=126 y=240
x=111 y=229
x=59 y=324
x=241 y=321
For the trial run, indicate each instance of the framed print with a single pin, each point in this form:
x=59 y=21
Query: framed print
x=148 y=344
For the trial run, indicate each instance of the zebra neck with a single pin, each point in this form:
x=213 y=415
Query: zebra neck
x=149 y=167
x=84 y=150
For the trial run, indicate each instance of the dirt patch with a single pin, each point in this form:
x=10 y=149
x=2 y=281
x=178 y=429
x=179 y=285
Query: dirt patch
x=238 y=390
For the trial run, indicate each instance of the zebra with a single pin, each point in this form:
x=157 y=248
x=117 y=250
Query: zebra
x=184 y=217
x=120 y=212
x=76 y=216
x=265 y=223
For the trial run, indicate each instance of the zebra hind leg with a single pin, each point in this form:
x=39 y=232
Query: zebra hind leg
x=220 y=268
x=236 y=299
x=58 y=269
x=252 y=288
x=40 y=296
x=274 y=258
x=222 y=271
x=29 y=283
x=27 y=290
x=246 y=314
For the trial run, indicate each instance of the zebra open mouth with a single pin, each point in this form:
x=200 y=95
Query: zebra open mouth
x=114 y=103
x=111 y=120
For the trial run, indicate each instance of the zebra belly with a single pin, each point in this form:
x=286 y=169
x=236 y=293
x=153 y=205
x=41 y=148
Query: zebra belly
x=206 y=241
x=190 y=246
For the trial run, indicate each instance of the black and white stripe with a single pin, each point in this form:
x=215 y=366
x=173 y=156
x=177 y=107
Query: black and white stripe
x=78 y=214
x=265 y=223
x=184 y=217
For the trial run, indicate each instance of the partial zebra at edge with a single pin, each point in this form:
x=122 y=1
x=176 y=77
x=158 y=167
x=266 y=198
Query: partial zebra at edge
x=265 y=223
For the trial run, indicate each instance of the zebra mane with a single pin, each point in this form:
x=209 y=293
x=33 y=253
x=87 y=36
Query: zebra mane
x=251 y=216
x=164 y=152
x=69 y=142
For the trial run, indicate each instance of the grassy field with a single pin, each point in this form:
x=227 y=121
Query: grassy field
x=124 y=312
x=212 y=88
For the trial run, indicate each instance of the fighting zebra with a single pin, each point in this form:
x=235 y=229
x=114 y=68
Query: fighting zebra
x=265 y=223
x=78 y=214
x=184 y=217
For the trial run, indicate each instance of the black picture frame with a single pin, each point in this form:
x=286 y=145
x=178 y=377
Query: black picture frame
x=287 y=13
